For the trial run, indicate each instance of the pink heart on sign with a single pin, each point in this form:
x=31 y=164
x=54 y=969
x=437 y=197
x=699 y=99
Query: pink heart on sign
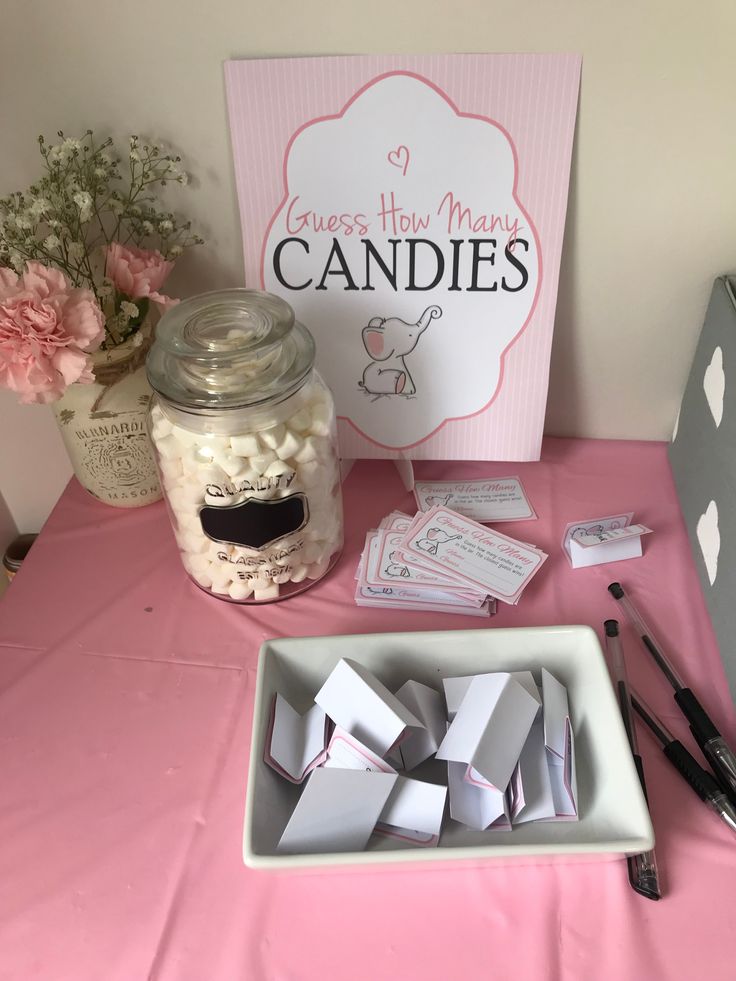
x=399 y=158
x=433 y=533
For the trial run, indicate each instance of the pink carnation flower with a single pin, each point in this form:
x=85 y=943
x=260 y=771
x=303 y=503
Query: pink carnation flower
x=48 y=329
x=138 y=273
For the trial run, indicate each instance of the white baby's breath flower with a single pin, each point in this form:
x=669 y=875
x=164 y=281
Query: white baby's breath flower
x=16 y=261
x=100 y=172
x=116 y=207
x=40 y=207
x=83 y=200
x=61 y=152
x=183 y=177
x=137 y=339
x=105 y=158
x=23 y=222
x=51 y=242
x=134 y=155
x=76 y=250
x=105 y=290
x=148 y=227
x=129 y=309
x=176 y=251
x=165 y=227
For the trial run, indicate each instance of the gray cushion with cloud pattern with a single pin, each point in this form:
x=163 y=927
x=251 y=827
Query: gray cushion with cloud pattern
x=703 y=459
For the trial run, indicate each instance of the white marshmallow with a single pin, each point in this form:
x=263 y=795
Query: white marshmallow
x=221 y=588
x=299 y=574
x=278 y=469
x=309 y=451
x=289 y=446
x=161 y=429
x=240 y=590
x=172 y=469
x=300 y=421
x=245 y=476
x=208 y=441
x=203 y=578
x=262 y=461
x=246 y=445
x=194 y=543
x=311 y=474
x=272 y=437
x=230 y=464
x=270 y=592
x=168 y=448
x=185 y=436
x=199 y=563
x=321 y=419
x=318 y=569
x=282 y=578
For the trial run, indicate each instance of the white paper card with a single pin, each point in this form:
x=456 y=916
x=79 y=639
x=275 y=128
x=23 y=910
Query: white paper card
x=479 y=557
x=559 y=741
x=455 y=689
x=414 y=806
x=601 y=540
x=357 y=701
x=428 y=706
x=477 y=807
x=337 y=811
x=494 y=499
x=490 y=728
x=402 y=598
x=532 y=788
x=295 y=743
x=345 y=752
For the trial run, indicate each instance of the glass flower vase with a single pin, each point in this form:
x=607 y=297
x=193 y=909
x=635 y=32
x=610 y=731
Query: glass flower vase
x=104 y=428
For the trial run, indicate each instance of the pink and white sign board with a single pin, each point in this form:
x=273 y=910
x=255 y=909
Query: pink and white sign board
x=411 y=209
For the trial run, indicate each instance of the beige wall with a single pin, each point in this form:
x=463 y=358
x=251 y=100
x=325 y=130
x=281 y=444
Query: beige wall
x=652 y=215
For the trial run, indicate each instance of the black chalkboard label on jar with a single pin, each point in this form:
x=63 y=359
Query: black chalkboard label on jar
x=253 y=523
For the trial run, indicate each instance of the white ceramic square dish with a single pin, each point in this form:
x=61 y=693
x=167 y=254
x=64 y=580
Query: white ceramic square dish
x=614 y=820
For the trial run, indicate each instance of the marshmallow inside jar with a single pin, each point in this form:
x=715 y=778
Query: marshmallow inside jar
x=244 y=433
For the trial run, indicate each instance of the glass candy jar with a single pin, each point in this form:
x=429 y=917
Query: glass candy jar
x=244 y=433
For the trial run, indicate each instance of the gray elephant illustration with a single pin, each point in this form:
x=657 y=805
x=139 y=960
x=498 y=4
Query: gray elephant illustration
x=388 y=342
x=395 y=568
x=435 y=537
x=434 y=500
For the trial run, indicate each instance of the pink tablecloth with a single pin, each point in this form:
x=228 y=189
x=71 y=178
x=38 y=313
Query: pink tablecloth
x=125 y=712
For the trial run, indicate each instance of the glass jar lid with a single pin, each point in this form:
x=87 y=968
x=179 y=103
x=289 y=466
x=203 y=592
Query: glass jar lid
x=229 y=349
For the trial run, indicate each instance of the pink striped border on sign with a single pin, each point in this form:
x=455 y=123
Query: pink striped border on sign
x=533 y=97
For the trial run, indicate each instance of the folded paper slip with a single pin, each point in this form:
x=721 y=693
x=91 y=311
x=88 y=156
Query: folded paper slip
x=600 y=540
x=295 y=744
x=357 y=702
x=490 y=729
x=413 y=812
x=337 y=811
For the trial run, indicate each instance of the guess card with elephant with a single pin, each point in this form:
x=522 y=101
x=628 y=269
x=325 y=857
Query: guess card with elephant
x=386 y=567
x=411 y=208
x=482 y=558
x=494 y=499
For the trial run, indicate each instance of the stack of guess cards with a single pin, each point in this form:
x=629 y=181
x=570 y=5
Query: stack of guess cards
x=443 y=561
x=505 y=742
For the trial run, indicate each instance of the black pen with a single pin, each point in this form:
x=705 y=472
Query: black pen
x=717 y=751
x=702 y=782
x=642 y=868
